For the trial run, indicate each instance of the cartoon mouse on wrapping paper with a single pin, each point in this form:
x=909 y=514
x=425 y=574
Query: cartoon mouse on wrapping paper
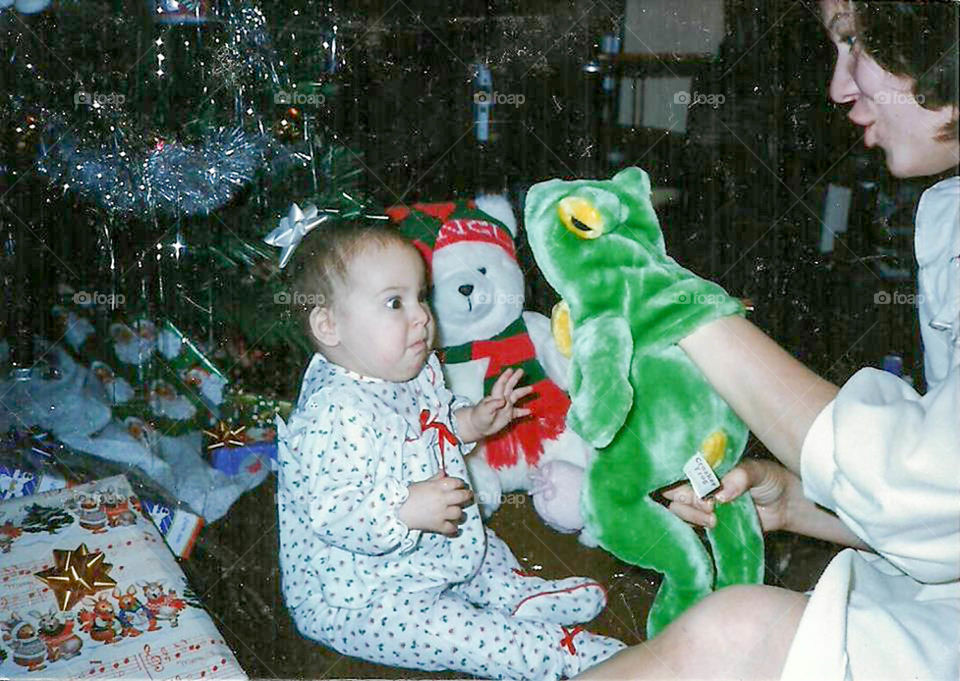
x=28 y=649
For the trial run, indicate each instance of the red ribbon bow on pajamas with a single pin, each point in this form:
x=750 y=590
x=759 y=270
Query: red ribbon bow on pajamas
x=567 y=640
x=443 y=435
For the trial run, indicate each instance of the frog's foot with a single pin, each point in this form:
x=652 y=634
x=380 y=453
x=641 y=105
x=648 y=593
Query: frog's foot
x=670 y=602
x=737 y=543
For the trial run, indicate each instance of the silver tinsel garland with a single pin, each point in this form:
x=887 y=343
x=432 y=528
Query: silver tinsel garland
x=172 y=178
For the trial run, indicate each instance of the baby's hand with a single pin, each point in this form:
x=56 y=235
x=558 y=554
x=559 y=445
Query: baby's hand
x=436 y=505
x=494 y=412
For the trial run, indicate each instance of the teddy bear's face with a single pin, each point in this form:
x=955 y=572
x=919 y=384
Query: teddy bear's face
x=477 y=291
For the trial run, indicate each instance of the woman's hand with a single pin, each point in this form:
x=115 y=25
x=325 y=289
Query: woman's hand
x=778 y=496
x=771 y=485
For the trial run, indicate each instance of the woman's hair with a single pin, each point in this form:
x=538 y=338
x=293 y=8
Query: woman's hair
x=322 y=260
x=917 y=40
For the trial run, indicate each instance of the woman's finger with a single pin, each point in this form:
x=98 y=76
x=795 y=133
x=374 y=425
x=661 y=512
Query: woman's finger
x=692 y=514
x=674 y=493
x=734 y=483
x=685 y=495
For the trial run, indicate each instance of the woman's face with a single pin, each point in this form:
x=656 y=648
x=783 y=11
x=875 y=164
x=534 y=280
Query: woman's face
x=884 y=105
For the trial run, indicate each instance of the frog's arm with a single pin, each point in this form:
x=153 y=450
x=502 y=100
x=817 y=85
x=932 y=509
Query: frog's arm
x=600 y=391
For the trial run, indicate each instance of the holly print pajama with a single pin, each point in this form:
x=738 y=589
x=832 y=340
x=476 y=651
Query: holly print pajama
x=358 y=580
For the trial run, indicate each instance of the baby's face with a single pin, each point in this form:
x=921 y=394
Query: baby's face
x=383 y=322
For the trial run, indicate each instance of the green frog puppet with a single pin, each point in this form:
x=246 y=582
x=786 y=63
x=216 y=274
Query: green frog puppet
x=636 y=397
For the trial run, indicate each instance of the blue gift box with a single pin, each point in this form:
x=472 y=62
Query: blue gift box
x=230 y=460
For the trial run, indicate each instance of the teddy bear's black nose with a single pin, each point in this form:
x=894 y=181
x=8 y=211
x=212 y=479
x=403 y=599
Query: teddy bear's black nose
x=466 y=289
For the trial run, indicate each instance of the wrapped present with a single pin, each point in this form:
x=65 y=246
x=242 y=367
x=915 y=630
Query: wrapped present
x=140 y=367
x=31 y=462
x=247 y=435
x=17 y=482
x=90 y=591
x=178 y=527
x=139 y=397
x=235 y=450
x=174 y=384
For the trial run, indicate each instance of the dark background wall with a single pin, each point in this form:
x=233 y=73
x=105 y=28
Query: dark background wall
x=753 y=171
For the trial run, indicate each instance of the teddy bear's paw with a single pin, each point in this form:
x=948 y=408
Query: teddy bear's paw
x=588 y=539
x=486 y=485
x=573 y=600
x=556 y=495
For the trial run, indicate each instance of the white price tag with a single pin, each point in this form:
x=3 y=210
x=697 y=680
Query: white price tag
x=702 y=478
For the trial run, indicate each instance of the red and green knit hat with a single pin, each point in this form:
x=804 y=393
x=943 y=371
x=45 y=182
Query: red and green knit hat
x=431 y=226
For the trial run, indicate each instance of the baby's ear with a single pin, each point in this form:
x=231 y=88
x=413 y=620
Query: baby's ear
x=323 y=326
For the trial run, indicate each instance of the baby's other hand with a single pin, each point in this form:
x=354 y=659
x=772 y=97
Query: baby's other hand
x=436 y=505
x=494 y=412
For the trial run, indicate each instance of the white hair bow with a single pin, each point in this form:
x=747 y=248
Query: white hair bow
x=293 y=228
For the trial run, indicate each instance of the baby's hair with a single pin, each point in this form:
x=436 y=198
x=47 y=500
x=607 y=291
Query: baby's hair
x=322 y=259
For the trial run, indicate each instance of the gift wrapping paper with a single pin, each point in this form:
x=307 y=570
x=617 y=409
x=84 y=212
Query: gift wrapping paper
x=178 y=527
x=146 y=624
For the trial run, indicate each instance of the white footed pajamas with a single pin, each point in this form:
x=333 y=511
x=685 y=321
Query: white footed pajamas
x=358 y=580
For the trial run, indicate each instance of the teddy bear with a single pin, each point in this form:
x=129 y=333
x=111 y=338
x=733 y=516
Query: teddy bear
x=636 y=397
x=483 y=328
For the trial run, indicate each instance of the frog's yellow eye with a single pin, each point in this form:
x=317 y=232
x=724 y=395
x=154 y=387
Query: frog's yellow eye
x=579 y=216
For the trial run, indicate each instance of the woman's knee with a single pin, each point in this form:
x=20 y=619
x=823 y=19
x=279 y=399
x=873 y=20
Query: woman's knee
x=748 y=614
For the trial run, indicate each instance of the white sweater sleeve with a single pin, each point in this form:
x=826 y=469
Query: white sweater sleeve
x=887 y=461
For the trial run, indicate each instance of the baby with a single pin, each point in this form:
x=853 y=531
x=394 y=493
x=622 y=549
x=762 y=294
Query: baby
x=383 y=555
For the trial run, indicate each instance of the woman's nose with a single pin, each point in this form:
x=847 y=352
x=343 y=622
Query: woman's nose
x=843 y=88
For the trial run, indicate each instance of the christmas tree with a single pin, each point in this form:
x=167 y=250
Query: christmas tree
x=146 y=152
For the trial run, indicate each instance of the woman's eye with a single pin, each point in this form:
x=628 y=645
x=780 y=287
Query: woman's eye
x=395 y=303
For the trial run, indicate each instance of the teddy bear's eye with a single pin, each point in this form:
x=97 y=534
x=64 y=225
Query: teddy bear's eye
x=482 y=270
